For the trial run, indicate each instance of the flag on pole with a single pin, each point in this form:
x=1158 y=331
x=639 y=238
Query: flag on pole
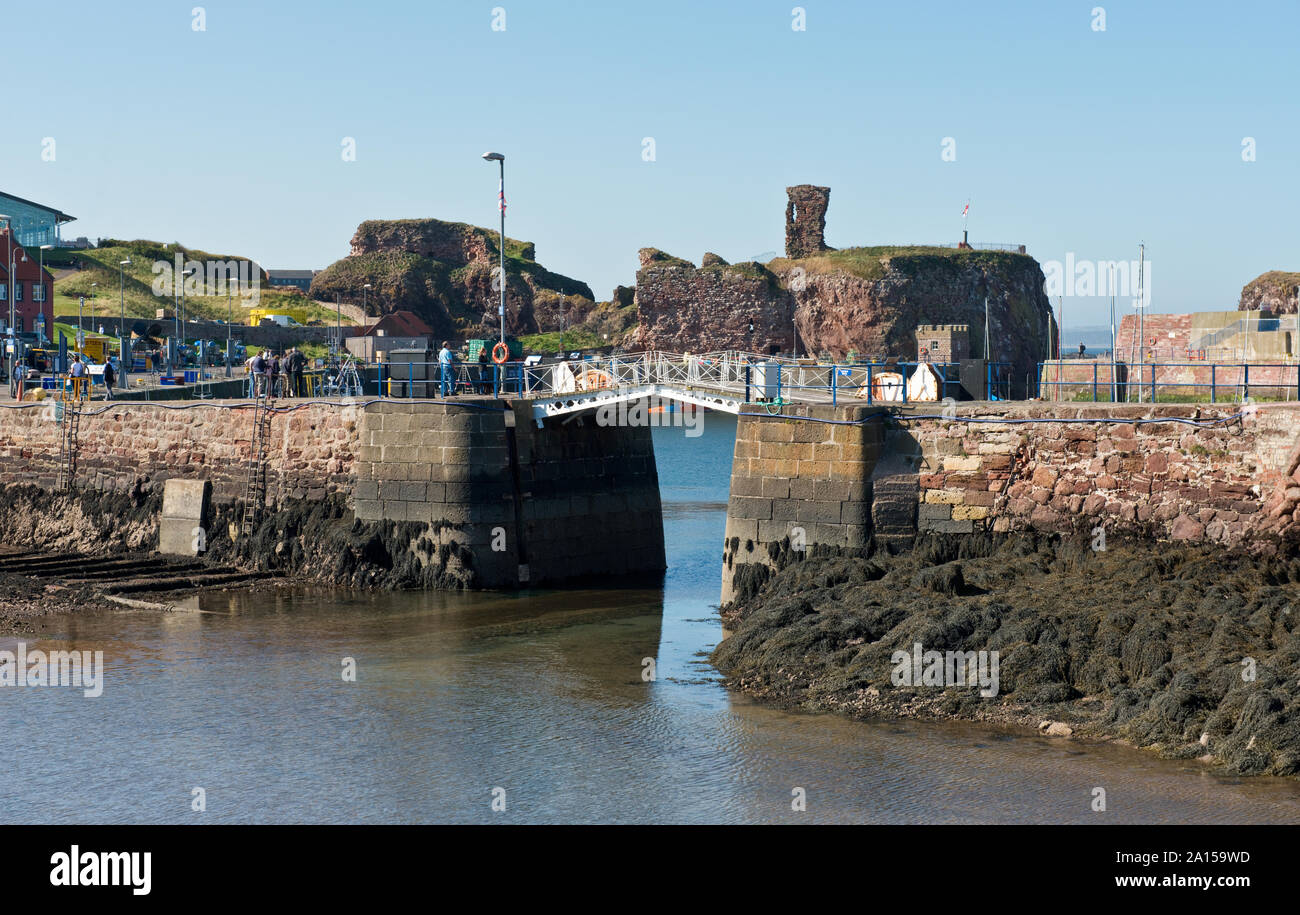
x=965 y=210
x=501 y=195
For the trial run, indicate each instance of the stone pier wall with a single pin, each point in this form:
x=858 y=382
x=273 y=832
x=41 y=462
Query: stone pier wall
x=123 y=445
x=589 y=498
x=1036 y=467
x=798 y=480
x=569 y=500
x=522 y=505
x=1226 y=484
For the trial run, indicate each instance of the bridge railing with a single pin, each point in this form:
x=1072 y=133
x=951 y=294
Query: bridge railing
x=757 y=378
x=872 y=382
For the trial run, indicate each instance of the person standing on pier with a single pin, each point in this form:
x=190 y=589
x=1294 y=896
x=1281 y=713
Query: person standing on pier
x=77 y=371
x=484 y=371
x=275 y=369
x=297 y=362
x=110 y=379
x=446 y=368
x=257 y=366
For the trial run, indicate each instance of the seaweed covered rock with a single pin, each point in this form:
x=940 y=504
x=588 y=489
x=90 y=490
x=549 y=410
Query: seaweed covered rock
x=1190 y=651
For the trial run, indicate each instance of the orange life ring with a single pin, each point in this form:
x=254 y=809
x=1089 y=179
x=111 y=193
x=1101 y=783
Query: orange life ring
x=500 y=353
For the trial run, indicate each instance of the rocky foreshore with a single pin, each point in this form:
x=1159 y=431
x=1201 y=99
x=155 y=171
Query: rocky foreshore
x=302 y=541
x=1187 y=651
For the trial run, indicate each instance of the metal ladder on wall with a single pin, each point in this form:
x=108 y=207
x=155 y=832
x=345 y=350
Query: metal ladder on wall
x=68 y=411
x=255 y=490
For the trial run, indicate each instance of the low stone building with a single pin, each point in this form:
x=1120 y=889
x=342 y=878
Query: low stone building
x=398 y=330
x=942 y=342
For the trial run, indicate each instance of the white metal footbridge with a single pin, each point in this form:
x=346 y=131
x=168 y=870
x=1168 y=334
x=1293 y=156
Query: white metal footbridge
x=724 y=381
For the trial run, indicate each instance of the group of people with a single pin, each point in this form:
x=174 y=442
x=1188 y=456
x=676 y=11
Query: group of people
x=79 y=372
x=279 y=374
x=481 y=379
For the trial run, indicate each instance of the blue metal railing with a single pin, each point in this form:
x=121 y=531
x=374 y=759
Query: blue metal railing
x=1141 y=381
x=761 y=379
x=859 y=377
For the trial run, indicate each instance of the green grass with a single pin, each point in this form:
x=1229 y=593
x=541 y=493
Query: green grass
x=134 y=288
x=658 y=258
x=1224 y=396
x=869 y=263
x=576 y=338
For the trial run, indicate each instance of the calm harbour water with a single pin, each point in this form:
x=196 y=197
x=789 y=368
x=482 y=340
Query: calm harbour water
x=538 y=693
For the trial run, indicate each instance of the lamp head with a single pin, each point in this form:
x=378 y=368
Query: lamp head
x=494 y=157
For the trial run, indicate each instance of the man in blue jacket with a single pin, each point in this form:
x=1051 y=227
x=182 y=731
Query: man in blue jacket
x=445 y=368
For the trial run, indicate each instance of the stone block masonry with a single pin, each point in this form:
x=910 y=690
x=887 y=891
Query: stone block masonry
x=1228 y=483
x=566 y=501
x=801 y=479
x=1167 y=472
x=129 y=444
x=519 y=504
x=588 y=496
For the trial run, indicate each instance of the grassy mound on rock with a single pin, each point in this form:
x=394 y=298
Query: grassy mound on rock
x=1191 y=652
x=872 y=262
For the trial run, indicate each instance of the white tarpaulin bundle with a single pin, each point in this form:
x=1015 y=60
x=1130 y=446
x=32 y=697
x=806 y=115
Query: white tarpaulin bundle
x=562 y=380
x=887 y=386
x=924 y=383
x=567 y=381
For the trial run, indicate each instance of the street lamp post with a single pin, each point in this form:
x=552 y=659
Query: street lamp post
x=13 y=308
x=124 y=356
x=176 y=319
x=13 y=338
x=181 y=335
x=501 y=204
x=230 y=316
x=364 y=310
x=81 y=331
x=40 y=279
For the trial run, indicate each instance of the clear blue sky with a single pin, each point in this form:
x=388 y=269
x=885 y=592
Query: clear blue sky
x=1067 y=139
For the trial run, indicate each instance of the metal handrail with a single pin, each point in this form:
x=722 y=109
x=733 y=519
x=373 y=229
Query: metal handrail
x=809 y=380
x=1146 y=387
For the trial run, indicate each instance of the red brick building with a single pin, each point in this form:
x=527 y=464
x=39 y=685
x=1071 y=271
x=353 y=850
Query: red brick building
x=33 y=288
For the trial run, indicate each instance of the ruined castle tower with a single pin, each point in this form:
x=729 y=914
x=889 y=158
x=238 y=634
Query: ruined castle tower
x=805 y=220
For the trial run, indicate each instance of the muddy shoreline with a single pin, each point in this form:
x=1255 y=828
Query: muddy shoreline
x=301 y=542
x=1149 y=644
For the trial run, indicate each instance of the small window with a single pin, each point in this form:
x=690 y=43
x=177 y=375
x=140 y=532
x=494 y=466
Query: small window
x=18 y=290
x=934 y=344
x=38 y=292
